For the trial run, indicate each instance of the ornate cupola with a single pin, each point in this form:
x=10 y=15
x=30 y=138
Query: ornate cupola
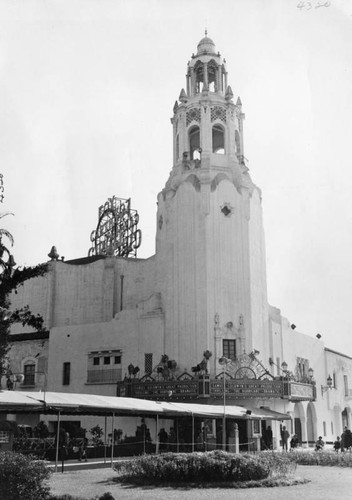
x=207 y=124
x=206 y=70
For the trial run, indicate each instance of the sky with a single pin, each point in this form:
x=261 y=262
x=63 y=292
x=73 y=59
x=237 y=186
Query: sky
x=87 y=89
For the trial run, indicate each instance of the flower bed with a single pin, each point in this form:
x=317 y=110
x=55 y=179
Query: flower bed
x=212 y=467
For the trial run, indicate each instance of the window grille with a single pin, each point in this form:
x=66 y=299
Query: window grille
x=148 y=363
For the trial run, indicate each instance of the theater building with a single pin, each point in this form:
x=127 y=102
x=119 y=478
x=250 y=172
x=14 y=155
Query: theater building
x=192 y=323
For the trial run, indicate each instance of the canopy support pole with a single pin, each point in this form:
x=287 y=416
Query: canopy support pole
x=112 y=439
x=177 y=436
x=192 y=432
x=157 y=435
x=105 y=434
x=57 y=441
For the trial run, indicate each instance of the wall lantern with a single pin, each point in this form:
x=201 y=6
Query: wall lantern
x=311 y=373
x=328 y=385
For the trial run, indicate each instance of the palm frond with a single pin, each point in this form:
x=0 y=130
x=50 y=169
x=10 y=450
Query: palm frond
x=8 y=235
x=5 y=213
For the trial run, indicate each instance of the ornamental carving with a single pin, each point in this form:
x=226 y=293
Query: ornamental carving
x=193 y=115
x=246 y=366
x=218 y=113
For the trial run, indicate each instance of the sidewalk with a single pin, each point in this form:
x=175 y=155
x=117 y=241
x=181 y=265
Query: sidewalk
x=94 y=463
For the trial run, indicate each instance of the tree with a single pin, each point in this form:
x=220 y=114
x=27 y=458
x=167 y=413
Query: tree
x=10 y=280
x=6 y=259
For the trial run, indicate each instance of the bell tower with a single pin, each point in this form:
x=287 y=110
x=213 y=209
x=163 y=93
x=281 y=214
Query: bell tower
x=206 y=121
x=210 y=245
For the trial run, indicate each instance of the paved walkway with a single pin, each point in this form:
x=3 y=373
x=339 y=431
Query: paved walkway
x=326 y=483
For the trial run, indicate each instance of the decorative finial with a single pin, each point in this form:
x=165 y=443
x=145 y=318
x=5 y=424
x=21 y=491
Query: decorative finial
x=53 y=253
x=206 y=32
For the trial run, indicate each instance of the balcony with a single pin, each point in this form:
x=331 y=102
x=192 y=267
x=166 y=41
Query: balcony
x=104 y=376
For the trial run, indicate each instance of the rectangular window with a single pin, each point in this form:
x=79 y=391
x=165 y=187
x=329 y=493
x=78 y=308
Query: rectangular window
x=66 y=374
x=104 y=367
x=345 y=382
x=229 y=349
x=324 y=428
x=334 y=380
x=148 y=363
x=29 y=375
x=278 y=365
x=332 y=427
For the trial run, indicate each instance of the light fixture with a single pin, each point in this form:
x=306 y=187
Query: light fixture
x=310 y=373
x=328 y=385
x=284 y=367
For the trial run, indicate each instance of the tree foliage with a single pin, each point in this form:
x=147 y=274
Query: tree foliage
x=9 y=283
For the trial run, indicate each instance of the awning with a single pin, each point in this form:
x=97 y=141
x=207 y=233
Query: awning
x=16 y=402
x=92 y=404
x=267 y=414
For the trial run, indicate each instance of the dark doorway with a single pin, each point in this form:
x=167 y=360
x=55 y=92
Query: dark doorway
x=298 y=429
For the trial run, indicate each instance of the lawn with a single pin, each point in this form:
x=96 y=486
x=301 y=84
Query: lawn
x=325 y=484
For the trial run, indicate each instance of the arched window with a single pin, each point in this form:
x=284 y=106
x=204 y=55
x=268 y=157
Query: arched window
x=194 y=143
x=177 y=147
x=218 y=140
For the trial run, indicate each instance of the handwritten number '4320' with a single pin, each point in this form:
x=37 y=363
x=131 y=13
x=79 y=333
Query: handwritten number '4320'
x=309 y=5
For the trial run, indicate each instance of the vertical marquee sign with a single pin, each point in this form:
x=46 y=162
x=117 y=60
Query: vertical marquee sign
x=116 y=232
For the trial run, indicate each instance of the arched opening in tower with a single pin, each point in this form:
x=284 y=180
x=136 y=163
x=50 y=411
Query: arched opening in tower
x=199 y=71
x=212 y=76
x=218 y=139
x=194 y=143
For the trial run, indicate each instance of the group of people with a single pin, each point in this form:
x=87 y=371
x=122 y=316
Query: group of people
x=341 y=444
x=345 y=442
x=167 y=441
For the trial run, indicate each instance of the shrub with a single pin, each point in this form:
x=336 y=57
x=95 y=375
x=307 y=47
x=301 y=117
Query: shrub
x=323 y=457
x=22 y=477
x=96 y=433
x=215 y=466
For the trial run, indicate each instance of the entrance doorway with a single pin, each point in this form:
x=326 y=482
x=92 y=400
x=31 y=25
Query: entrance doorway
x=298 y=429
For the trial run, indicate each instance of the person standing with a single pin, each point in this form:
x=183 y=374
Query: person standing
x=83 y=450
x=284 y=438
x=269 y=438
